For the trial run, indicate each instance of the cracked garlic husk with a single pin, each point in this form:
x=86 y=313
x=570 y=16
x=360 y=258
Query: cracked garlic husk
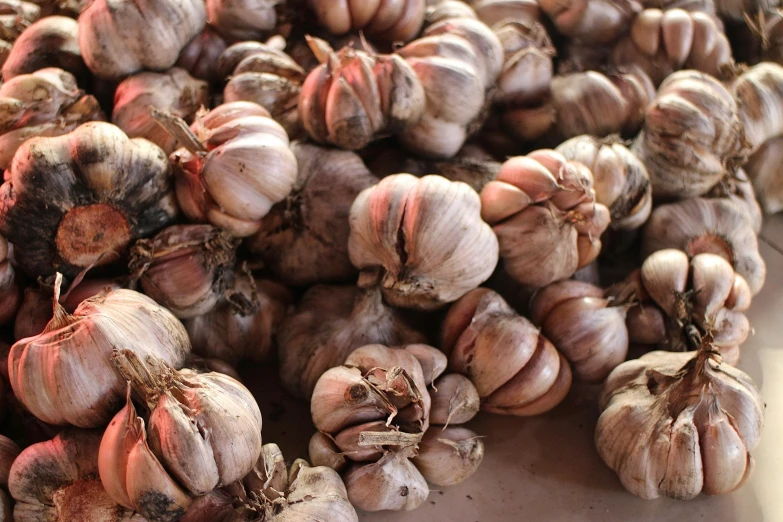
x=514 y=368
x=52 y=41
x=679 y=424
x=304 y=239
x=329 y=323
x=81 y=386
x=392 y=20
x=421 y=240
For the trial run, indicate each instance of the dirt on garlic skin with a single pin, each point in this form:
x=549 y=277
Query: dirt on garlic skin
x=86 y=500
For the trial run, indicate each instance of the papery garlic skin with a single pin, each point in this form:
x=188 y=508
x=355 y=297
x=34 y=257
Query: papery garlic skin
x=121 y=38
x=200 y=57
x=679 y=424
x=527 y=67
x=241 y=169
x=493 y=12
x=739 y=190
x=542 y=209
x=392 y=20
x=454 y=400
x=449 y=456
x=242 y=19
x=758 y=92
x=422 y=241
x=765 y=169
x=57 y=480
x=51 y=41
x=515 y=369
x=590 y=21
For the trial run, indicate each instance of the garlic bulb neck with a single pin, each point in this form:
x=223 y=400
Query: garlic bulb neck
x=149 y=379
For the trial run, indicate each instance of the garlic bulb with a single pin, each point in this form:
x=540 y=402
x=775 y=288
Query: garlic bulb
x=57 y=481
x=765 y=169
x=304 y=239
x=739 y=190
x=201 y=364
x=264 y=75
x=620 y=180
x=173 y=91
x=235 y=165
x=421 y=240
x=759 y=95
x=454 y=400
x=588 y=329
x=515 y=369
x=392 y=20
x=527 y=67
x=203 y=431
x=353 y=96
x=243 y=325
x=123 y=37
x=9 y=451
x=19 y=16
x=52 y=41
x=79 y=200
x=678 y=424
x=584 y=103
x=330 y=322
x=81 y=387
x=543 y=210
x=242 y=19
x=661 y=42
x=449 y=456
x=184 y=267
x=591 y=21
x=493 y=12
x=691 y=134
x=438 y=10
x=10 y=289
x=715 y=226
x=200 y=56
x=45 y=103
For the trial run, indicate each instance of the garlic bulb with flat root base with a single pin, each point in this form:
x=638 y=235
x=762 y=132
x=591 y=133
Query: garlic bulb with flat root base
x=330 y=322
x=81 y=387
x=173 y=91
x=679 y=424
x=587 y=328
x=52 y=41
x=692 y=135
x=184 y=267
x=304 y=239
x=391 y=20
x=200 y=57
x=591 y=21
x=57 y=481
x=79 y=200
x=42 y=104
x=421 y=240
x=21 y=15
x=237 y=20
x=620 y=180
x=514 y=368
x=543 y=211
x=661 y=42
x=759 y=95
x=234 y=166
x=715 y=226
x=765 y=169
x=119 y=38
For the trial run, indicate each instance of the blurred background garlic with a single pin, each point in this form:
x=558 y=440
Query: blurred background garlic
x=765 y=169
x=123 y=37
x=527 y=67
x=738 y=189
x=52 y=41
x=200 y=57
x=543 y=210
x=17 y=16
x=493 y=12
x=591 y=21
x=81 y=387
x=514 y=368
x=330 y=322
x=234 y=165
x=679 y=424
x=57 y=481
x=10 y=287
x=238 y=20
x=95 y=192
x=304 y=238
x=173 y=91
x=392 y=20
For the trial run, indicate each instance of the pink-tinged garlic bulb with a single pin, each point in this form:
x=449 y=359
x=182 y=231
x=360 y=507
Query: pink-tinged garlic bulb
x=391 y=20
x=45 y=103
x=714 y=226
x=587 y=328
x=123 y=37
x=52 y=41
x=527 y=67
x=591 y=21
x=238 y=20
x=620 y=180
x=200 y=56
x=330 y=322
x=173 y=91
x=679 y=424
x=661 y=42
x=691 y=137
x=759 y=96
x=304 y=239
x=81 y=387
x=514 y=368
x=184 y=267
x=235 y=165
x=584 y=103
x=244 y=323
x=19 y=16
x=543 y=210
x=765 y=169
x=421 y=240
x=10 y=289
x=354 y=96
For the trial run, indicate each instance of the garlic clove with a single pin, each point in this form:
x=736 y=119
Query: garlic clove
x=545 y=402
x=726 y=463
x=324 y=452
x=461 y=314
x=646 y=324
x=533 y=175
x=449 y=456
x=677 y=29
x=740 y=297
x=549 y=297
x=646 y=31
x=433 y=362
x=713 y=280
x=454 y=400
x=117 y=442
x=392 y=483
x=665 y=275
x=500 y=200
